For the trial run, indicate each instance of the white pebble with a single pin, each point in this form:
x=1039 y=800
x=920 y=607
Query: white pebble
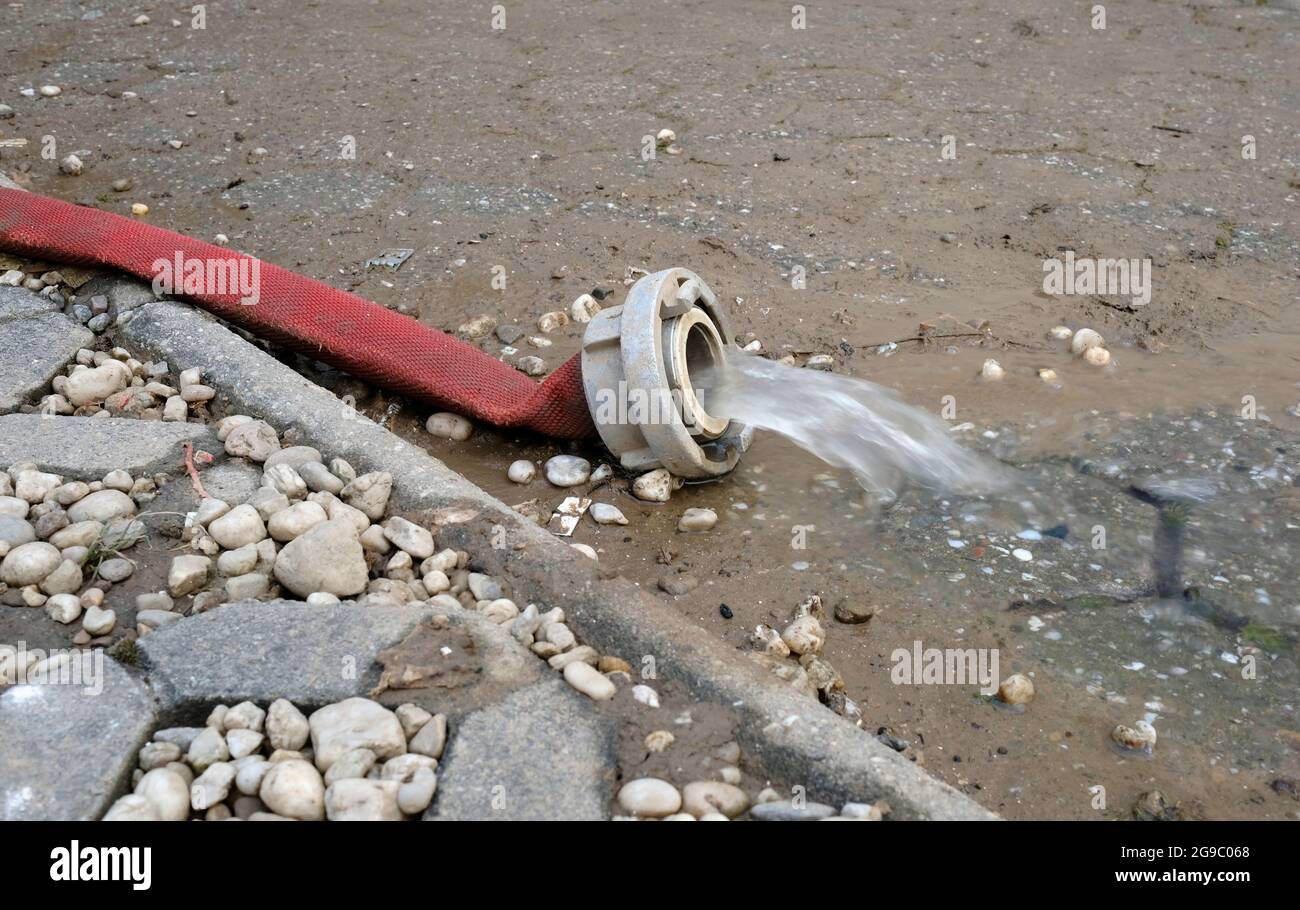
x=522 y=471
x=646 y=696
x=1097 y=357
x=584 y=308
x=1085 y=339
x=653 y=486
x=589 y=681
x=649 y=797
x=449 y=426
x=697 y=520
x=568 y=470
x=605 y=514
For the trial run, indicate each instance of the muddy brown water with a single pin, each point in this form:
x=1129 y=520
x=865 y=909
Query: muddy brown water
x=821 y=149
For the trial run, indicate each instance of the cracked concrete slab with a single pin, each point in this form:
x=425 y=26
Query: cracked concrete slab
x=87 y=448
x=541 y=754
x=46 y=768
x=35 y=344
x=263 y=651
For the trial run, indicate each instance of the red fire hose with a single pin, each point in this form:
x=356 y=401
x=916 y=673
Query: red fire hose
x=385 y=348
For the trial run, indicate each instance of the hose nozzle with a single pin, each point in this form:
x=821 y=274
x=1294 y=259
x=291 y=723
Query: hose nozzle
x=638 y=363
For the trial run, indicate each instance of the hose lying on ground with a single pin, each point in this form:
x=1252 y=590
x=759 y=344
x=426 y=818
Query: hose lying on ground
x=387 y=349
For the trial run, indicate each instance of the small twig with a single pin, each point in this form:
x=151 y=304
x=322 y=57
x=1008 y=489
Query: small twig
x=193 y=471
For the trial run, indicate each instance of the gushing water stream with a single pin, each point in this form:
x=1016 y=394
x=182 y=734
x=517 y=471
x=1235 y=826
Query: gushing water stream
x=849 y=423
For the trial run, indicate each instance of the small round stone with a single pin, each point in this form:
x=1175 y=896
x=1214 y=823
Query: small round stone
x=568 y=470
x=605 y=514
x=522 y=471
x=1017 y=689
x=99 y=621
x=649 y=797
x=1083 y=340
x=116 y=569
x=654 y=486
x=703 y=797
x=29 y=563
x=1097 y=357
x=589 y=681
x=294 y=789
x=449 y=426
x=1141 y=737
x=697 y=520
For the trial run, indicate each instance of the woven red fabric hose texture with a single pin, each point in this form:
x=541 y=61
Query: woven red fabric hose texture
x=392 y=351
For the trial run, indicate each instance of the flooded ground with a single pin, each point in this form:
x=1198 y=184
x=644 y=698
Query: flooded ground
x=816 y=194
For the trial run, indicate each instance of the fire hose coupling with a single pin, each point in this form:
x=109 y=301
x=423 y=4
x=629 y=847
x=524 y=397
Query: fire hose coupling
x=638 y=362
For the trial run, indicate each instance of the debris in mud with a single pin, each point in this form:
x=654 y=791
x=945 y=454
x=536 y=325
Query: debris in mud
x=1139 y=738
x=567 y=514
x=677 y=584
x=429 y=657
x=1152 y=806
x=853 y=612
x=655 y=486
x=389 y=259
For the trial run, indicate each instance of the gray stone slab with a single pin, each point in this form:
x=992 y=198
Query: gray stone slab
x=281 y=649
x=87 y=448
x=65 y=752
x=20 y=303
x=312 y=656
x=542 y=753
x=34 y=348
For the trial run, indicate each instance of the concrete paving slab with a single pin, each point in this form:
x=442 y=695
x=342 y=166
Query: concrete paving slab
x=87 y=448
x=35 y=344
x=263 y=651
x=68 y=750
x=541 y=754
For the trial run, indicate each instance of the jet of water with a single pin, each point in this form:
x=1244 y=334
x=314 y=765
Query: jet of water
x=849 y=423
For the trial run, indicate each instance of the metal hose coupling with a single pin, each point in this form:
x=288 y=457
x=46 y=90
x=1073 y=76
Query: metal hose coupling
x=638 y=361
